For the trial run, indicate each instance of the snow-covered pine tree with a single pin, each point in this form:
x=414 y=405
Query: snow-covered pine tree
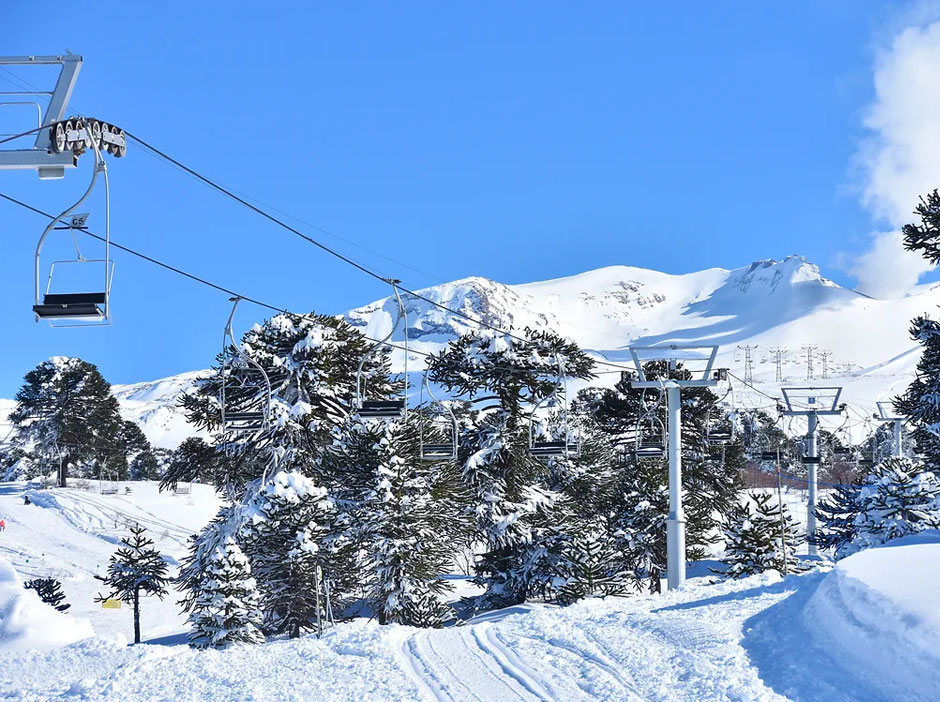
x=226 y=611
x=918 y=403
x=837 y=518
x=638 y=523
x=136 y=570
x=753 y=541
x=286 y=525
x=311 y=361
x=49 y=591
x=897 y=499
x=408 y=528
x=134 y=445
x=591 y=563
x=66 y=416
x=194 y=460
x=502 y=377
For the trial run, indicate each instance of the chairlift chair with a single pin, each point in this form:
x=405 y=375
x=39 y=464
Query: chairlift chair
x=241 y=377
x=183 y=488
x=718 y=436
x=567 y=447
x=442 y=451
x=74 y=309
x=384 y=409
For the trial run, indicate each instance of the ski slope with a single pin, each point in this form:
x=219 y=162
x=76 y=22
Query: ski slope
x=868 y=629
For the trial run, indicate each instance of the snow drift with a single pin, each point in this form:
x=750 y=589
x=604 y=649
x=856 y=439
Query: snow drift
x=27 y=623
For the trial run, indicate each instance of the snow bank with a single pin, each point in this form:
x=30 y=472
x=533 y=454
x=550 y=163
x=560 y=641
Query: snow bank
x=869 y=629
x=27 y=623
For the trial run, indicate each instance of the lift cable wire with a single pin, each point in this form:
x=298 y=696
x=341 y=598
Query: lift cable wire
x=229 y=193
x=204 y=281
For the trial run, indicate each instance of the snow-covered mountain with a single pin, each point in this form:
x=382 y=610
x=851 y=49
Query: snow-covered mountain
x=772 y=304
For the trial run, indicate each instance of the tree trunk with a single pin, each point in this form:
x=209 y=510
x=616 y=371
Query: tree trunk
x=137 y=615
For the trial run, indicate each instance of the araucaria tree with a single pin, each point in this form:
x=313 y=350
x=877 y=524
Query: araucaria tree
x=510 y=503
x=49 y=591
x=67 y=417
x=285 y=531
x=226 y=611
x=918 y=403
x=136 y=570
x=404 y=520
x=760 y=535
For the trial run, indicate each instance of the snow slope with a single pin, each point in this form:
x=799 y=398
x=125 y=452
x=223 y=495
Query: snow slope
x=866 y=630
x=772 y=304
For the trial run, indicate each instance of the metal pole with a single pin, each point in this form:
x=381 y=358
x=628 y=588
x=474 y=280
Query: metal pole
x=898 y=447
x=675 y=524
x=783 y=526
x=812 y=420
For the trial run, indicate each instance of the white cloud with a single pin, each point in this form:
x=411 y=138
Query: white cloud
x=901 y=161
x=886 y=270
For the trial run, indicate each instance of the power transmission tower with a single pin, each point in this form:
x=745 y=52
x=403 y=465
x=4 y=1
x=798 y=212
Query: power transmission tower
x=748 y=361
x=779 y=353
x=809 y=350
x=824 y=355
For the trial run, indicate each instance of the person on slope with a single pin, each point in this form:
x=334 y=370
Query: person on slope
x=3 y=526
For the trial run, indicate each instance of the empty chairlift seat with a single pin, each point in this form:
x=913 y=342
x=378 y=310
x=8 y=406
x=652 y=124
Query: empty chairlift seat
x=650 y=449
x=382 y=409
x=554 y=448
x=72 y=305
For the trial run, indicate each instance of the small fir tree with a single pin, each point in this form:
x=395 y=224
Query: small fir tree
x=225 y=611
x=135 y=571
x=753 y=542
x=49 y=591
x=837 y=518
x=897 y=499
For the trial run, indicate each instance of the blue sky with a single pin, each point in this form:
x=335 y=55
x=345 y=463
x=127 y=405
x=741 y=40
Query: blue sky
x=517 y=141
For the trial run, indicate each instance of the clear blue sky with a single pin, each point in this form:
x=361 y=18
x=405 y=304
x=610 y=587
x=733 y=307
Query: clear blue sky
x=517 y=141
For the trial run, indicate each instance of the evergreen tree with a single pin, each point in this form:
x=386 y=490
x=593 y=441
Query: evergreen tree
x=311 y=361
x=406 y=527
x=226 y=611
x=837 y=518
x=194 y=460
x=753 y=542
x=66 y=415
x=924 y=238
x=49 y=591
x=591 y=563
x=502 y=378
x=918 y=403
x=135 y=445
x=897 y=499
x=136 y=570
x=289 y=521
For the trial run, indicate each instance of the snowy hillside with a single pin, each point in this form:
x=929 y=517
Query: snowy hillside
x=866 y=630
x=772 y=304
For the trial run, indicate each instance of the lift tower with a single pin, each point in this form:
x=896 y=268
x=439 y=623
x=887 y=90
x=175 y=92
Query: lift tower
x=704 y=358
x=812 y=403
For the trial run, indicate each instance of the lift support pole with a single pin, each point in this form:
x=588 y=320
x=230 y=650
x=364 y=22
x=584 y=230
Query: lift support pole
x=675 y=523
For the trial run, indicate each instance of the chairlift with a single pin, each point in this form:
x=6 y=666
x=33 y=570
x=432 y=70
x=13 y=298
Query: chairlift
x=717 y=436
x=442 y=451
x=242 y=380
x=182 y=488
x=651 y=445
x=567 y=447
x=384 y=409
x=77 y=309
x=108 y=483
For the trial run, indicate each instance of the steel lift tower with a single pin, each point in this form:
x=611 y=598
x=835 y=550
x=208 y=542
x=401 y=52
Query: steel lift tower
x=673 y=354
x=812 y=403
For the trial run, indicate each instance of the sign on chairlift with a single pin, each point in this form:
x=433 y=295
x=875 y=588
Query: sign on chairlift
x=78 y=221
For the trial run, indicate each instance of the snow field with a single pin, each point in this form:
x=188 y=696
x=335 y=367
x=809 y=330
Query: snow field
x=868 y=629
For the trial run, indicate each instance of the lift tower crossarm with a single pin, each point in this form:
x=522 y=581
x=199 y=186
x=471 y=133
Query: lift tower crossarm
x=39 y=158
